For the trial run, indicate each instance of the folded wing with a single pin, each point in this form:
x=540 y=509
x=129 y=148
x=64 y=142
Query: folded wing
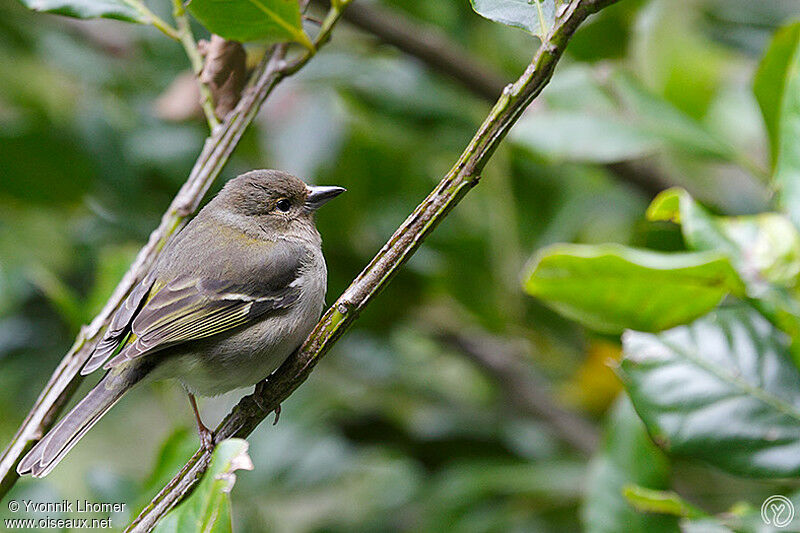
x=161 y=313
x=189 y=309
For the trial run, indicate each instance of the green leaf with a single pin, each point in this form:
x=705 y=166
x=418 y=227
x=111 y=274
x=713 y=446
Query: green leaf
x=764 y=249
x=252 y=20
x=777 y=89
x=627 y=456
x=89 y=9
x=661 y=501
x=208 y=508
x=583 y=137
x=722 y=389
x=534 y=16
x=610 y=287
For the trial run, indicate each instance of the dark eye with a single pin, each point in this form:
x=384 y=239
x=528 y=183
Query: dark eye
x=283 y=204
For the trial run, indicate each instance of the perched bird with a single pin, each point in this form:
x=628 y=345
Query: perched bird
x=228 y=300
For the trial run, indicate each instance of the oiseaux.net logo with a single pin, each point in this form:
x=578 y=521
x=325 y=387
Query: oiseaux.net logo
x=777 y=511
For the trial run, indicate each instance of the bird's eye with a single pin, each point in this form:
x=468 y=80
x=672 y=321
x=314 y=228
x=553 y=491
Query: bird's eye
x=283 y=204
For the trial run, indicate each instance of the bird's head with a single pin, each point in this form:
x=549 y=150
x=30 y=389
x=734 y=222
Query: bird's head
x=273 y=202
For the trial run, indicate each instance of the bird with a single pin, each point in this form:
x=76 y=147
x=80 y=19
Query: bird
x=229 y=299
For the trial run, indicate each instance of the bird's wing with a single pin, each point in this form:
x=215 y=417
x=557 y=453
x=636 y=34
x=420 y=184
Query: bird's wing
x=189 y=309
x=193 y=307
x=120 y=325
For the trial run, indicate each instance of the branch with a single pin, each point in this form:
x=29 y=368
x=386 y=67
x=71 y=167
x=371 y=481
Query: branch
x=504 y=364
x=464 y=175
x=216 y=152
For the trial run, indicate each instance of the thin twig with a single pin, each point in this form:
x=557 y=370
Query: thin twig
x=216 y=152
x=196 y=60
x=159 y=23
x=464 y=175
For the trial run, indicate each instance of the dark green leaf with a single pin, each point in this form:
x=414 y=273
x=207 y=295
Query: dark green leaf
x=534 y=16
x=722 y=389
x=627 y=456
x=777 y=89
x=208 y=508
x=610 y=287
x=252 y=20
x=770 y=83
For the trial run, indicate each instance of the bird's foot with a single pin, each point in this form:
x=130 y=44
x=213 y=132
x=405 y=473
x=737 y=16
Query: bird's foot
x=206 y=438
x=206 y=435
x=257 y=397
x=261 y=388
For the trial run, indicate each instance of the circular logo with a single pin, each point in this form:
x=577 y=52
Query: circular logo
x=777 y=511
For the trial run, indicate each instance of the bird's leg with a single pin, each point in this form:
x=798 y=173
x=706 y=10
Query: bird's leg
x=260 y=387
x=206 y=435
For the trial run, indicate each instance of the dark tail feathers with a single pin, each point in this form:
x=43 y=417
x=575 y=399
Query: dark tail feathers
x=49 y=451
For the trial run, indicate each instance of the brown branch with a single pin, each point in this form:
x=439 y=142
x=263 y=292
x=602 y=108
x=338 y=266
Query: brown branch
x=505 y=364
x=464 y=175
x=216 y=152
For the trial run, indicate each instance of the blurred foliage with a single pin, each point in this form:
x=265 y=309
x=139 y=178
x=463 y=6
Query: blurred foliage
x=395 y=430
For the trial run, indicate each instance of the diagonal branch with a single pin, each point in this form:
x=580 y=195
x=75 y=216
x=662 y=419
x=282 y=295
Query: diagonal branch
x=215 y=154
x=464 y=175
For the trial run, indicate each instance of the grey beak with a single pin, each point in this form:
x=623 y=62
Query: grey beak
x=320 y=194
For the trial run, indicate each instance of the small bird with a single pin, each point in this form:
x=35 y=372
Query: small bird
x=231 y=296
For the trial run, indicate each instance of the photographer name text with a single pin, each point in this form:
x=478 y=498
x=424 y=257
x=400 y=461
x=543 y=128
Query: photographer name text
x=69 y=506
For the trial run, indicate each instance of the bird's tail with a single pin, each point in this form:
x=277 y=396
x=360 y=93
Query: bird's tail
x=49 y=451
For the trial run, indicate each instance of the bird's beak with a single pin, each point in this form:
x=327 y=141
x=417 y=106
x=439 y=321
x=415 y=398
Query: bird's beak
x=320 y=194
